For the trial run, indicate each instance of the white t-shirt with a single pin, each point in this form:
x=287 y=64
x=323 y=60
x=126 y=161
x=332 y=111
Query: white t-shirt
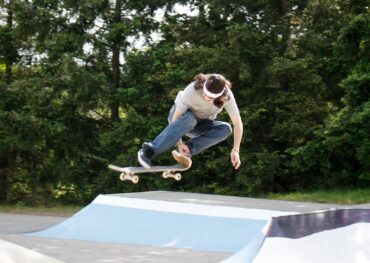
x=192 y=99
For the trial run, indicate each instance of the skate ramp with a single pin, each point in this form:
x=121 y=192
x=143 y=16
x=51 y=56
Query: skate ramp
x=117 y=219
x=248 y=235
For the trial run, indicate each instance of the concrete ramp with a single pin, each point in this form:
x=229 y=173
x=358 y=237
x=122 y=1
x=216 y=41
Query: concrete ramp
x=248 y=235
x=118 y=219
x=12 y=253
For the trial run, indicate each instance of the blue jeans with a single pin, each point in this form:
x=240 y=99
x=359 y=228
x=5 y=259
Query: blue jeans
x=204 y=133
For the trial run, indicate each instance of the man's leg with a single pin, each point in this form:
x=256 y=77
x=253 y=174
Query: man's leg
x=168 y=137
x=174 y=132
x=206 y=134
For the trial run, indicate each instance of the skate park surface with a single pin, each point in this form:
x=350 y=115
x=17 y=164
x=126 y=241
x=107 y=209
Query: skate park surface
x=157 y=227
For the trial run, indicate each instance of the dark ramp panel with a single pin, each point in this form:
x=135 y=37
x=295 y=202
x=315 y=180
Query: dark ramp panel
x=340 y=236
x=298 y=226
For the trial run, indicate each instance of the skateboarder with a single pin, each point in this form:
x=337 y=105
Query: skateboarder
x=193 y=115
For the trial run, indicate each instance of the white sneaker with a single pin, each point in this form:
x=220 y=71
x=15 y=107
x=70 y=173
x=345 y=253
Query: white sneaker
x=181 y=159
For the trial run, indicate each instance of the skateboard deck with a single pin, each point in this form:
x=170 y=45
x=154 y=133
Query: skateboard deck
x=131 y=173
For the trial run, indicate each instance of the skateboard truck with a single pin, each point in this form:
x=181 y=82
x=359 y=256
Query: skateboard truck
x=125 y=176
x=132 y=173
x=129 y=177
x=176 y=176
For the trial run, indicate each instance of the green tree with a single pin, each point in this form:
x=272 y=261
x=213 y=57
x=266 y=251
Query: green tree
x=280 y=94
x=340 y=152
x=76 y=93
x=8 y=39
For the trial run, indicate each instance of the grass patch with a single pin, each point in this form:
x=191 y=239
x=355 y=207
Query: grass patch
x=336 y=196
x=57 y=210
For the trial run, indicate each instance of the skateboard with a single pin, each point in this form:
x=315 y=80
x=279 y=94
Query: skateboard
x=131 y=173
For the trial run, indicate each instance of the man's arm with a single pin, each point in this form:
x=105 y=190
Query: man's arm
x=175 y=115
x=238 y=134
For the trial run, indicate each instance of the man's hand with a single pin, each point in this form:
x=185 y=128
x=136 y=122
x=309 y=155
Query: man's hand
x=235 y=158
x=183 y=149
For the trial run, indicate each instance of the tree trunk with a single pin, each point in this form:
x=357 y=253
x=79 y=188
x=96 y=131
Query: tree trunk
x=9 y=63
x=3 y=179
x=6 y=169
x=116 y=83
x=116 y=64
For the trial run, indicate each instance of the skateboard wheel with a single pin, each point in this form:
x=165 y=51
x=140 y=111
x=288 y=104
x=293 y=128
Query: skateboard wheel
x=135 y=179
x=178 y=177
x=122 y=176
x=164 y=175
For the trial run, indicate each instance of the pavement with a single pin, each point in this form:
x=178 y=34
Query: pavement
x=13 y=225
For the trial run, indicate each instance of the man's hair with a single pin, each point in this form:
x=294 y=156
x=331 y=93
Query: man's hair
x=215 y=84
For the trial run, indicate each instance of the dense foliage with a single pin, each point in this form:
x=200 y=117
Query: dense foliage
x=84 y=83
